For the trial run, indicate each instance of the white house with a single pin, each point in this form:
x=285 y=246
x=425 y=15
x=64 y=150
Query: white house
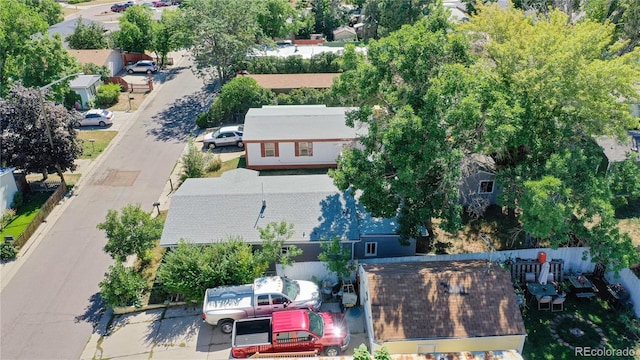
x=8 y=188
x=297 y=136
x=86 y=86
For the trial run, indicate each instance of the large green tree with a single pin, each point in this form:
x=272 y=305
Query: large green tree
x=382 y=17
x=25 y=134
x=18 y=23
x=328 y=15
x=132 y=231
x=275 y=18
x=552 y=87
x=625 y=14
x=136 y=33
x=221 y=33
x=169 y=34
x=49 y=10
x=87 y=36
x=408 y=165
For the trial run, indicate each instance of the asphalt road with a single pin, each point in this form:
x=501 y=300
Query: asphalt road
x=49 y=308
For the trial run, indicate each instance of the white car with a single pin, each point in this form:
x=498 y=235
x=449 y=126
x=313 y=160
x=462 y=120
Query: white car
x=225 y=136
x=95 y=117
x=144 y=66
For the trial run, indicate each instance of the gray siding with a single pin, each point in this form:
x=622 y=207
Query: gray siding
x=470 y=186
x=386 y=246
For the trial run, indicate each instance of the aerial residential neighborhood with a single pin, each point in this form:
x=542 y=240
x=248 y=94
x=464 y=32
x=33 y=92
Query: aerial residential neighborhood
x=332 y=179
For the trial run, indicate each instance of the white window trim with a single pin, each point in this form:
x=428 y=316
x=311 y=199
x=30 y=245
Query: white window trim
x=366 y=248
x=492 y=187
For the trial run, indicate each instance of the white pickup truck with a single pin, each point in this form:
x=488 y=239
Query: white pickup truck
x=223 y=305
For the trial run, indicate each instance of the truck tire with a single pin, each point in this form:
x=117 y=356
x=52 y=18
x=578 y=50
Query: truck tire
x=226 y=326
x=332 y=351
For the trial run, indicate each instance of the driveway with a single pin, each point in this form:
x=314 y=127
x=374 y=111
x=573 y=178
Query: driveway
x=179 y=333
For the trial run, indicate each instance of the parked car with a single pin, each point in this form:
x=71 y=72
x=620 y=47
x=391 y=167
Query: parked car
x=160 y=3
x=121 y=7
x=225 y=136
x=223 y=305
x=290 y=332
x=95 y=117
x=145 y=66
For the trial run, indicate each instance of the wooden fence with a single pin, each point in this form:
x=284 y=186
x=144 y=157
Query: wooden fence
x=42 y=214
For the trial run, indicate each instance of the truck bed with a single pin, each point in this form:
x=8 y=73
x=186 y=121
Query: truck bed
x=252 y=332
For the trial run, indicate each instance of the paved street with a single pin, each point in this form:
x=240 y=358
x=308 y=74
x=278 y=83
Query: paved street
x=49 y=297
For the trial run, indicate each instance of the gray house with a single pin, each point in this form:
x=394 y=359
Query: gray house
x=210 y=210
x=477 y=185
x=616 y=151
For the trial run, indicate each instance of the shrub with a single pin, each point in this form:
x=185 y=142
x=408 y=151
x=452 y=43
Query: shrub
x=7 y=216
x=122 y=286
x=8 y=251
x=18 y=200
x=108 y=94
x=203 y=120
x=213 y=163
x=192 y=162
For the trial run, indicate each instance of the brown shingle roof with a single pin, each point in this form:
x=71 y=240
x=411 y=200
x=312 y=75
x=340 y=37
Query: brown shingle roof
x=294 y=81
x=410 y=300
x=98 y=57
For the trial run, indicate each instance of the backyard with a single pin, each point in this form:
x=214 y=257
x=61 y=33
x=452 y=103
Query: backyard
x=583 y=323
x=24 y=214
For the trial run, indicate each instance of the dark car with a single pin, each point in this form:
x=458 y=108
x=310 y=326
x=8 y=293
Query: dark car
x=121 y=7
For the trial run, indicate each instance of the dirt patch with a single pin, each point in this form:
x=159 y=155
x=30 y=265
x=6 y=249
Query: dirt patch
x=123 y=102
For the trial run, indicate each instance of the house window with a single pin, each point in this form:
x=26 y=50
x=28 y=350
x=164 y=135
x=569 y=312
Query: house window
x=371 y=249
x=304 y=148
x=284 y=250
x=486 y=187
x=269 y=149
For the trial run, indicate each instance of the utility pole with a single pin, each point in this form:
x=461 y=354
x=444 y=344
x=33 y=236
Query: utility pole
x=46 y=119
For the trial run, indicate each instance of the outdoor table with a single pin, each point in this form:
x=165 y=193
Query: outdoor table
x=536 y=289
x=581 y=283
x=618 y=295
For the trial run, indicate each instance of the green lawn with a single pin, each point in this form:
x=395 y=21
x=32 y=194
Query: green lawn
x=540 y=343
x=101 y=139
x=24 y=215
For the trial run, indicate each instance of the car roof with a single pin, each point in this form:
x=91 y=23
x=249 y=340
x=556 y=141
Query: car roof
x=146 y=62
x=291 y=320
x=231 y=128
x=95 y=111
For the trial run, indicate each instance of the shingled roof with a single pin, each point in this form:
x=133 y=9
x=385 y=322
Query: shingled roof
x=294 y=81
x=442 y=299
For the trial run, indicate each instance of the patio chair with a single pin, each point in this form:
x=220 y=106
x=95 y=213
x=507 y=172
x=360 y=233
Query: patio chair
x=530 y=277
x=557 y=304
x=544 y=300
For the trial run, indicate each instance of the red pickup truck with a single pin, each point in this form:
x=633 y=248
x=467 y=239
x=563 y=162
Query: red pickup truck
x=291 y=331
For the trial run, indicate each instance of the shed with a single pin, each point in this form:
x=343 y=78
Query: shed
x=86 y=86
x=440 y=306
x=297 y=136
x=344 y=32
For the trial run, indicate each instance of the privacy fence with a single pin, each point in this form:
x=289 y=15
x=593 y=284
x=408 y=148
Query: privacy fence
x=573 y=260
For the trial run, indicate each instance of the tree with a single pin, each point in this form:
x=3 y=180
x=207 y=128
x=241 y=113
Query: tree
x=135 y=34
x=190 y=269
x=168 y=34
x=49 y=10
x=133 y=231
x=387 y=16
x=238 y=96
x=18 y=23
x=122 y=286
x=25 y=140
x=193 y=162
x=625 y=14
x=221 y=34
x=93 y=69
x=89 y=36
x=409 y=165
x=273 y=237
x=44 y=60
x=337 y=257
x=328 y=16
x=548 y=93
x=274 y=18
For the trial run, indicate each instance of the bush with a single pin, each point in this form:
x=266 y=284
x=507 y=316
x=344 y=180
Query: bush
x=192 y=162
x=108 y=94
x=203 y=120
x=326 y=62
x=18 y=200
x=8 y=251
x=213 y=163
x=122 y=286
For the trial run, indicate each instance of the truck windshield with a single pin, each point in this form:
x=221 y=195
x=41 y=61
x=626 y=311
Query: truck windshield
x=290 y=288
x=316 y=325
